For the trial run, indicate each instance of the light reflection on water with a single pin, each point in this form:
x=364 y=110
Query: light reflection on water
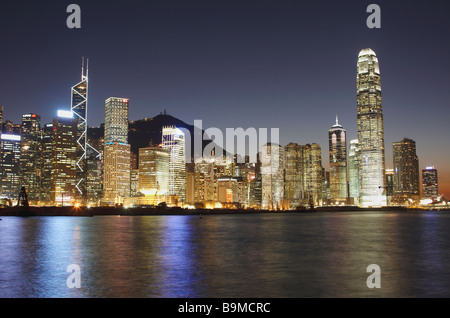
x=286 y=255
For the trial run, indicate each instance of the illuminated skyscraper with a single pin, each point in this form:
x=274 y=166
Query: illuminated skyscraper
x=46 y=171
x=337 y=138
x=116 y=120
x=272 y=171
x=173 y=139
x=370 y=130
x=313 y=174
x=117 y=175
x=63 y=178
x=30 y=156
x=293 y=173
x=154 y=171
x=79 y=107
x=430 y=183
x=353 y=171
x=406 y=170
x=9 y=166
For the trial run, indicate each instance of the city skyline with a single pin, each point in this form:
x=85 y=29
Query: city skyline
x=291 y=99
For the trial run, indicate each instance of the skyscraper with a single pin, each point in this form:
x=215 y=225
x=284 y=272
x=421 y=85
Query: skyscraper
x=154 y=171
x=353 y=171
x=312 y=174
x=272 y=171
x=30 y=156
x=337 y=139
x=117 y=175
x=63 y=179
x=46 y=166
x=430 y=183
x=9 y=166
x=293 y=173
x=116 y=120
x=370 y=130
x=79 y=107
x=173 y=139
x=406 y=170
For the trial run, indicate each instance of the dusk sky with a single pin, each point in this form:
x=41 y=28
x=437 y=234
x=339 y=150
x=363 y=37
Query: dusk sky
x=265 y=64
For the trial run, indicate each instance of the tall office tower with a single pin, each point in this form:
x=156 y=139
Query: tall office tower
x=293 y=159
x=79 y=107
x=406 y=170
x=337 y=138
x=389 y=185
x=117 y=176
x=63 y=178
x=430 y=183
x=353 y=171
x=46 y=172
x=272 y=171
x=370 y=130
x=9 y=166
x=312 y=174
x=116 y=120
x=154 y=171
x=30 y=156
x=173 y=139
x=94 y=164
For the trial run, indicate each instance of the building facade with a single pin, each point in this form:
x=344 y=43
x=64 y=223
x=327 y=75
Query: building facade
x=370 y=130
x=154 y=171
x=9 y=166
x=353 y=171
x=31 y=156
x=406 y=171
x=63 y=179
x=173 y=139
x=116 y=120
x=430 y=183
x=337 y=142
x=272 y=171
x=116 y=175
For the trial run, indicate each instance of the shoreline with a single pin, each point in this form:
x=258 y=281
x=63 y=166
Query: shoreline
x=112 y=211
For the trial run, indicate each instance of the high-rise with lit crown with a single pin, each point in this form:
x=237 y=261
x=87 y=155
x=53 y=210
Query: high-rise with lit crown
x=370 y=130
x=337 y=138
x=174 y=140
x=63 y=178
x=30 y=156
x=79 y=108
x=430 y=183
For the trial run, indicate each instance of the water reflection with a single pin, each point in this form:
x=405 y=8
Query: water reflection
x=306 y=255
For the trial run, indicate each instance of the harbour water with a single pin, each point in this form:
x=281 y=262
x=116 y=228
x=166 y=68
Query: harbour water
x=236 y=256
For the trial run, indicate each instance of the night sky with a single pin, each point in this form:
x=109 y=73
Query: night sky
x=263 y=64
